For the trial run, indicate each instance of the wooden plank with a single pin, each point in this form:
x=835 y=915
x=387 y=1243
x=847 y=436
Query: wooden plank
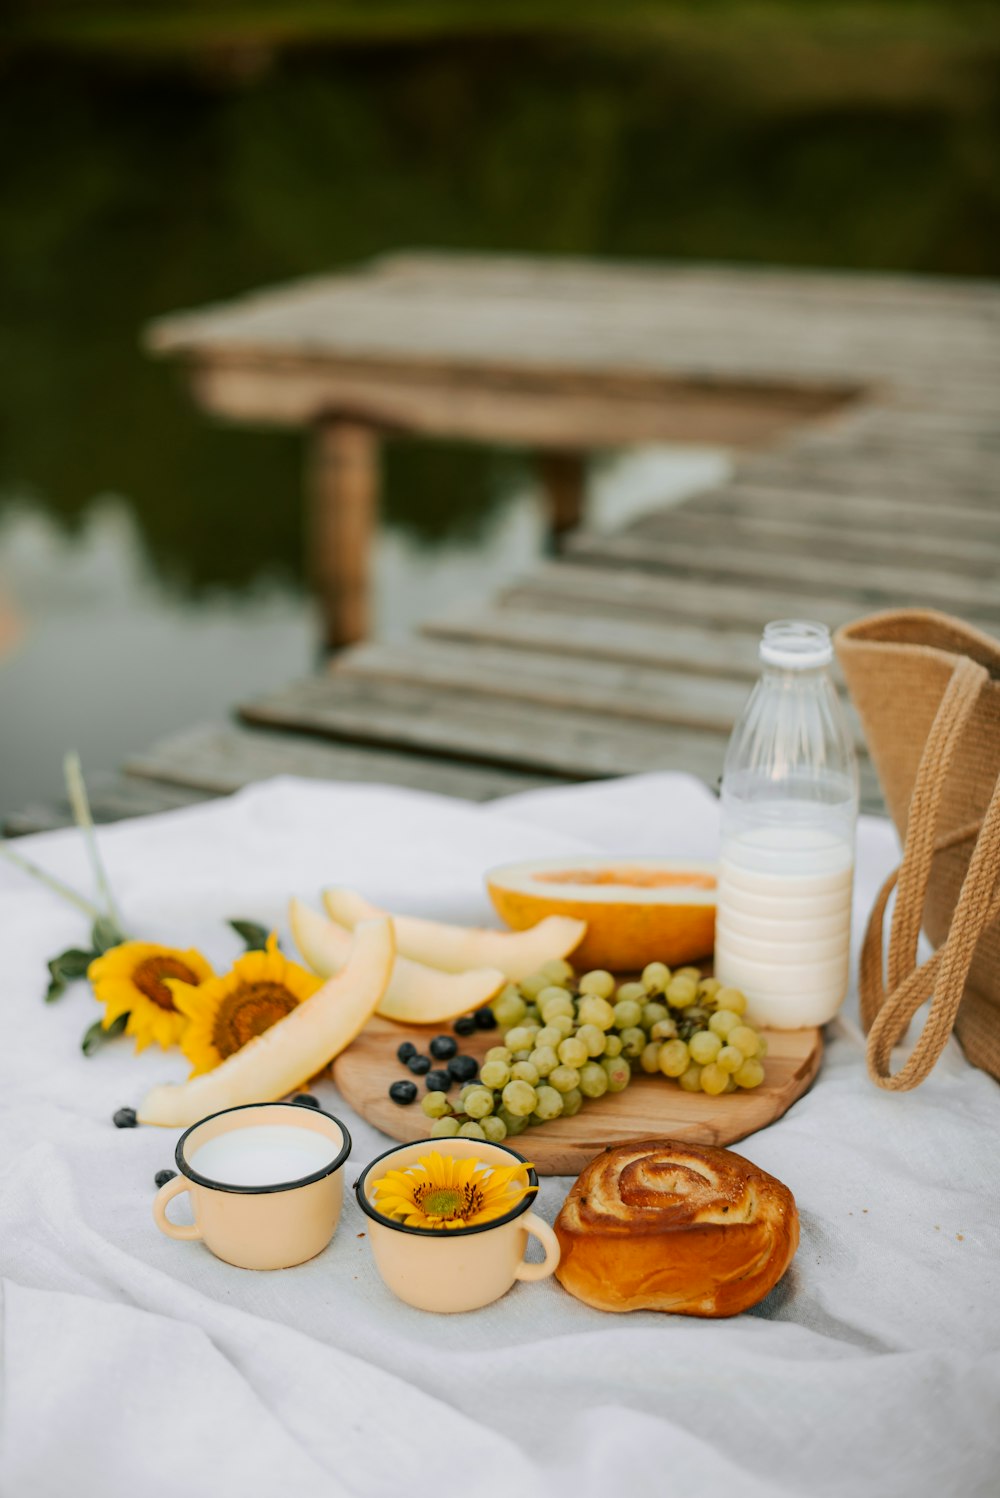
x=865 y=512
x=220 y=758
x=793 y=536
x=534 y=408
x=571 y=744
x=872 y=583
x=620 y=690
x=580 y=632
x=430 y=720
x=867 y=291
x=933 y=436
x=112 y=799
x=920 y=484
x=623 y=592
x=886 y=424
x=917 y=465
x=660 y=324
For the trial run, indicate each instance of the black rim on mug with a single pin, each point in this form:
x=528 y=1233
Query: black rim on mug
x=479 y=1227
x=186 y=1169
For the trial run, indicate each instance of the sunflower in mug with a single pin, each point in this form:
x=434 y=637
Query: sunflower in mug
x=443 y=1191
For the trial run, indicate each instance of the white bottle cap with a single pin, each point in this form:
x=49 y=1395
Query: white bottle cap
x=796 y=645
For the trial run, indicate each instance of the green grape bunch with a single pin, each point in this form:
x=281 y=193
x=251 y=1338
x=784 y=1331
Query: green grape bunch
x=569 y=1040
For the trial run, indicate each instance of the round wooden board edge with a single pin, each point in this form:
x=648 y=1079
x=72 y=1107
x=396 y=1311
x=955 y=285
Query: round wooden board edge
x=551 y=1153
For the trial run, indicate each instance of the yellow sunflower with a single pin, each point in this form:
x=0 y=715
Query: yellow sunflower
x=260 y=989
x=133 y=979
x=445 y=1191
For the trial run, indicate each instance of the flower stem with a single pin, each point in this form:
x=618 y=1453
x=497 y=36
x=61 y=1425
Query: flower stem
x=54 y=884
x=78 y=800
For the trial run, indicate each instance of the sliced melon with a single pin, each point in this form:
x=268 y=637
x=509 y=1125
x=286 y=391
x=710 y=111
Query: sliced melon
x=637 y=910
x=293 y=1050
x=457 y=948
x=417 y=995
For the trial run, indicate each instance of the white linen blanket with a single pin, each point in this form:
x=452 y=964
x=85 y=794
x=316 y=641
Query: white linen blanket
x=134 y=1366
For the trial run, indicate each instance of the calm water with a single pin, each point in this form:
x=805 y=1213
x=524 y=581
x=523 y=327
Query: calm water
x=150 y=562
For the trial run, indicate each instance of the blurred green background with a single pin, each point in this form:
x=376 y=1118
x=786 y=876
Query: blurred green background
x=159 y=156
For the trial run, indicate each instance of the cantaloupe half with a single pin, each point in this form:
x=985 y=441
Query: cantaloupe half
x=457 y=948
x=417 y=995
x=637 y=910
x=293 y=1050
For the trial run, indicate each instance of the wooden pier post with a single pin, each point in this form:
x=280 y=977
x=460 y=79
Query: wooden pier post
x=342 y=483
x=563 y=476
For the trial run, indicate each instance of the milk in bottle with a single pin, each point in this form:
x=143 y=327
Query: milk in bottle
x=789 y=807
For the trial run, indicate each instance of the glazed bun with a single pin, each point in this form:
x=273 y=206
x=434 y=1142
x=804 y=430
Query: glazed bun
x=663 y=1226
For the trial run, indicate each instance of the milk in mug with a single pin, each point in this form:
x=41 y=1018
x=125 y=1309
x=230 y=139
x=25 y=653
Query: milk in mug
x=263 y=1155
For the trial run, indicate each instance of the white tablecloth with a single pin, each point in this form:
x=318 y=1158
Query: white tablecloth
x=137 y=1366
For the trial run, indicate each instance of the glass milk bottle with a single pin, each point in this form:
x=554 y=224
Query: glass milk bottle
x=786 y=865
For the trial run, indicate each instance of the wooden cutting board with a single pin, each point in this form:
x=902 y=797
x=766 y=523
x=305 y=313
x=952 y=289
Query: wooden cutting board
x=648 y=1107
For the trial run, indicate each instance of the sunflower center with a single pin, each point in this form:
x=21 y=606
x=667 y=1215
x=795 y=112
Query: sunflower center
x=248 y=1011
x=149 y=975
x=448 y=1201
x=443 y=1201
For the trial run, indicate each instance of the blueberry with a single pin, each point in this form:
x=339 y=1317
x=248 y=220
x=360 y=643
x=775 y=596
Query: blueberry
x=463 y=1068
x=124 y=1119
x=403 y=1092
x=419 y=1065
x=485 y=1018
x=406 y=1050
x=306 y=1100
x=438 y=1081
x=163 y=1176
x=442 y=1046
x=465 y=1025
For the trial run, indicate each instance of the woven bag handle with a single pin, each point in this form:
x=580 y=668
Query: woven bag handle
x=978 y=905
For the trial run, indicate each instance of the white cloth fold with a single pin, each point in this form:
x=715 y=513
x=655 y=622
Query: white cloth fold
x=133 y=1365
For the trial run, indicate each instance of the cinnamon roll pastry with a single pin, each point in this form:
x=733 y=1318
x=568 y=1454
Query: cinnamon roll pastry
x=662 y=1226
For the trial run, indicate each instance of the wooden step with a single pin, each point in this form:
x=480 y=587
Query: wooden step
x=615 y=690
x=568 y=743
x=221 y=757
x=624 y=592
x=861 y=514
x=792 y=536
x=921 y=483
x=113 y=798
x=872 y=584
x=653 y=694
x=578 y=631
x=435 y=721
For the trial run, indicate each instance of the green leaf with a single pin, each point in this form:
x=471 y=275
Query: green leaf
x=55 y=990
x=254 y=936
x=105 y=935
x=97 y=1036
x=73 y=963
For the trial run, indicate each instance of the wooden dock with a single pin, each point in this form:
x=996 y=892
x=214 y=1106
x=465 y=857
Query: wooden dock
x=872 y=482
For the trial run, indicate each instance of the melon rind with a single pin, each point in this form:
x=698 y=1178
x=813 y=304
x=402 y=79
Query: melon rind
x=627 y=926
x=284 y=1057
x=416 y=995
x=458 y=948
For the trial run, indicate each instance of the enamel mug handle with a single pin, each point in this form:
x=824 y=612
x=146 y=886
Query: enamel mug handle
x=172 y=1229
x=547 y=1238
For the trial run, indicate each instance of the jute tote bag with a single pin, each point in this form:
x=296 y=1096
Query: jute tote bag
x=927 y=688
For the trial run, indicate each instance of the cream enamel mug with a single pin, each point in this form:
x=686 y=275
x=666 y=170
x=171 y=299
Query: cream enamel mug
x=266 y=1184
x=462 y=1269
